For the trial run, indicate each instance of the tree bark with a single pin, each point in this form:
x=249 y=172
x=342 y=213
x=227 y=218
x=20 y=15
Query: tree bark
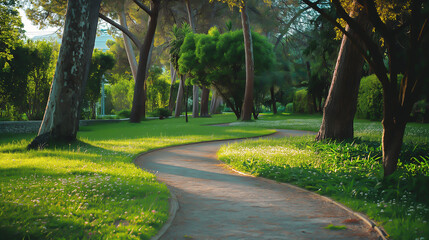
x=173 y=76
x=137 y=110
x=195 y=91
x=216 y=101
x=61 y=118
x=179 y=98
x=341 y=103
x=205 y=102
x=128 y=46
x=246 y=110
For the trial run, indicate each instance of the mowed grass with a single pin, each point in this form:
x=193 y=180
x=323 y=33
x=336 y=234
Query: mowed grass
x=350 y=172
x=91 y=189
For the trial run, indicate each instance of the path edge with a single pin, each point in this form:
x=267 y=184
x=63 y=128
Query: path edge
x=382 y=234
x=173 y=202
x=174 y=207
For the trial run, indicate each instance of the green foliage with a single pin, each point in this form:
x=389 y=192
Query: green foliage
x=302 y=102
x=289 y=108
x=217 y=60
x=162 y=113
x=100 y=64
x=370 y=99
x=10 y=30
x=123 y=114
x=158 y=86
x=121 y=93
x=335 y=227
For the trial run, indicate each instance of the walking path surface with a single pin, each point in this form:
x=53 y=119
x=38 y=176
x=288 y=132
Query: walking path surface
x=219 y=203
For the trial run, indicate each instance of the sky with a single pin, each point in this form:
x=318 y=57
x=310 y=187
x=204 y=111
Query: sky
x=31 y=30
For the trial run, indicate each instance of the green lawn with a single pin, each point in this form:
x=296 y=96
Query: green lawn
x=350 y=172
x=91 y=189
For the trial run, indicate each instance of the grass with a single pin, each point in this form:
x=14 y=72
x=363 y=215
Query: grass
x=91 y=189
x=349 y=172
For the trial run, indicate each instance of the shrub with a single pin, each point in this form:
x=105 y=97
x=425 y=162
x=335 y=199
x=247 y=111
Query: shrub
x=289 y=108
x=370 y=99
x=302 y=102
x=124 y=113
x=162 y=113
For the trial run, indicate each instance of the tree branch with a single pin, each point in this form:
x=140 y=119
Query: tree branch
x=142 y=6
x=122 y=28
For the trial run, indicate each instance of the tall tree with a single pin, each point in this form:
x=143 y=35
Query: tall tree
x=341 y=103
x=402 y=27
x=138 y=109
x=61 y=119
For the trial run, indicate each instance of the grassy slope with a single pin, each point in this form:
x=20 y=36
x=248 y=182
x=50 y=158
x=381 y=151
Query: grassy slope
x=91 y=189
x=349 y=172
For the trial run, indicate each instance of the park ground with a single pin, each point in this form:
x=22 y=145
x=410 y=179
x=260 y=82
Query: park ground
x=92 y=190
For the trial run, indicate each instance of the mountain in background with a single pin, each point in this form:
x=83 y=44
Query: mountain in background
x=100 y=40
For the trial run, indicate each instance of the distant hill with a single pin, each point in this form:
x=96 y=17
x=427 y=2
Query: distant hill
x=100 y=41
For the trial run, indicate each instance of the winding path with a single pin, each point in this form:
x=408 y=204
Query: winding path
x=218 y=203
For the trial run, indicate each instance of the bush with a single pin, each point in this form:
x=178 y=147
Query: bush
x=302 y=102
x=162 y=113
x=289 y=108
x=370 y=99
x=124 y=113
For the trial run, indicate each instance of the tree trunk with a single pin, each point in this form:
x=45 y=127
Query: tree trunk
x=137 y=110
x=61 y=118
x=205 y=102
x=393 y=135
x=128 y=45
x=195 y=102
x=341 y=103
x=173 y=80
x=273 y=100
x=179 y=97
x=216 y=101
x=246 y=110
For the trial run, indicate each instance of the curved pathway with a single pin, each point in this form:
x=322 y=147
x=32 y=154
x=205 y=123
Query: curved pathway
x=218 y=203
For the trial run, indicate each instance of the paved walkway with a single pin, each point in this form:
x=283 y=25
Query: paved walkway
x=218 y=203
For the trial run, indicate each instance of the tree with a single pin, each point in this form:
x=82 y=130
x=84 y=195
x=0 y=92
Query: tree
x=43 y=57
x=10 y=29
x=177 y=37
x=248 y=50
x=217 y=60
x=138 y=109
x=61 y=119
x=402 y=28
x=101 y=62
x=341 y=103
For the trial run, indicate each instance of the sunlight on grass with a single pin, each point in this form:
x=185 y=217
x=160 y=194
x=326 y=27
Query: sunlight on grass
x=350 y=172
x=91 y=189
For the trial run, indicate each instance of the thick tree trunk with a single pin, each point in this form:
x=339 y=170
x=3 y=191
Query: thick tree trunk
x=246 y=110
x=128 y=45
x=273 y=100
x=179 y=98
x=173 y=80
x=195 y=91
x=340 y=106
x=61 y=119
x=137 y=110
x=393 y=135
x=216 y=102
x=205 y=102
